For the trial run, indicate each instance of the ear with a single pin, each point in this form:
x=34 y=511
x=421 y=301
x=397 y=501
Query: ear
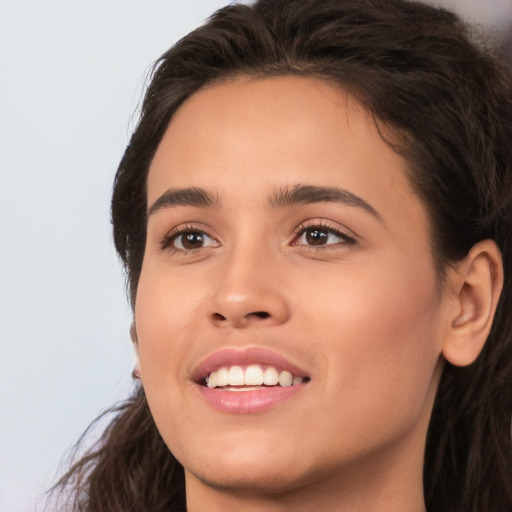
x=133 y=336
x=135 y=342
x=477 y=283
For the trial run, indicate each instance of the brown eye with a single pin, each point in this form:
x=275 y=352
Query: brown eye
x=316 y=236
x=190 y=240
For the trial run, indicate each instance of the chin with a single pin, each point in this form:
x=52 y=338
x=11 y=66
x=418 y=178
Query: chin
x=249 y=480
x=251 y=467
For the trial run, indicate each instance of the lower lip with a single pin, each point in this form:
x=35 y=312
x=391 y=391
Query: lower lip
x=245 y=402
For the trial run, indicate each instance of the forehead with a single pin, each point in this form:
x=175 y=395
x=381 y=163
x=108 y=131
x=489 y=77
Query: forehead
x=249 y=135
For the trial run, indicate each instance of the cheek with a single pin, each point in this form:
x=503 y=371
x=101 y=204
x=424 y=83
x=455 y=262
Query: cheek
x=166 y=318
x=380 y=335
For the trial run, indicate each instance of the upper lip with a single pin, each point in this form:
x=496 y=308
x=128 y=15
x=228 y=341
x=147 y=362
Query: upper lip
x=244 y=356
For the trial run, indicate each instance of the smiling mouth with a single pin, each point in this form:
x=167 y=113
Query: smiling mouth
x=254 y=376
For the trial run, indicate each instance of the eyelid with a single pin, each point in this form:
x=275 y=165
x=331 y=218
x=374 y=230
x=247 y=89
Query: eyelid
x=349 y=237
x=166 y=244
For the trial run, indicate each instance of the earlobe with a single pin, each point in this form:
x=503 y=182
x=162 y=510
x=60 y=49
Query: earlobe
x=133 y=335
x=478 y=283
x=136 y=374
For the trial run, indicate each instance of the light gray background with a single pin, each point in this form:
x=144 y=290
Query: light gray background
x=71 y=76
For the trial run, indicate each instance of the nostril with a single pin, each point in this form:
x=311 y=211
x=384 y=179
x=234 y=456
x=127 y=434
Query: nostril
x=260 y=314
x=239 y=320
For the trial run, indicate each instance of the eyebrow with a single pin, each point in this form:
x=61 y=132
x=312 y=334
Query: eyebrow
x=192 y=196
x=307 y=194
x=286 y=196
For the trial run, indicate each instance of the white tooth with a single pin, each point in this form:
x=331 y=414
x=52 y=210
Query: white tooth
x=296 y=380
x=253 y=375
x=222 y=377
x=285 y=378
x=236 y=376
x=242 y=389
x=212 y=380
x=270 y=376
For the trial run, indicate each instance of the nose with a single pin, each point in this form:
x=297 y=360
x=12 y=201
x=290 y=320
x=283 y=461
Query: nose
x=248 y=291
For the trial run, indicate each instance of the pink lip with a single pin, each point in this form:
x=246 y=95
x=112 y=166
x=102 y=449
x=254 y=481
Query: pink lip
x=243 y=402
x=250 y=355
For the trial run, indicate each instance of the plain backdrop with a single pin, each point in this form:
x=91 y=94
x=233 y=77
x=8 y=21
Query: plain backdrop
x=71 y=76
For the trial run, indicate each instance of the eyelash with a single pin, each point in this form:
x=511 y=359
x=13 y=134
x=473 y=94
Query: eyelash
x=167 y=244
x=326 y=227
x=169 y=239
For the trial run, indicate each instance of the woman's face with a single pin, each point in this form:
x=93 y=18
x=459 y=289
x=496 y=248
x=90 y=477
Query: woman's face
x=284 y=238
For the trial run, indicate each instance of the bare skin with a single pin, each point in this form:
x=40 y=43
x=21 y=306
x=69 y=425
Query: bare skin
x=307 y=242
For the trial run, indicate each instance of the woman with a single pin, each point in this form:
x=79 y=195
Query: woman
x=315 y=216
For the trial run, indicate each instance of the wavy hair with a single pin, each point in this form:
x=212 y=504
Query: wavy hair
x=418 y=70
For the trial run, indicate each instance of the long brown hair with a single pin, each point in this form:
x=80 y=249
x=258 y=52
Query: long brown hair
x=415 y=68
